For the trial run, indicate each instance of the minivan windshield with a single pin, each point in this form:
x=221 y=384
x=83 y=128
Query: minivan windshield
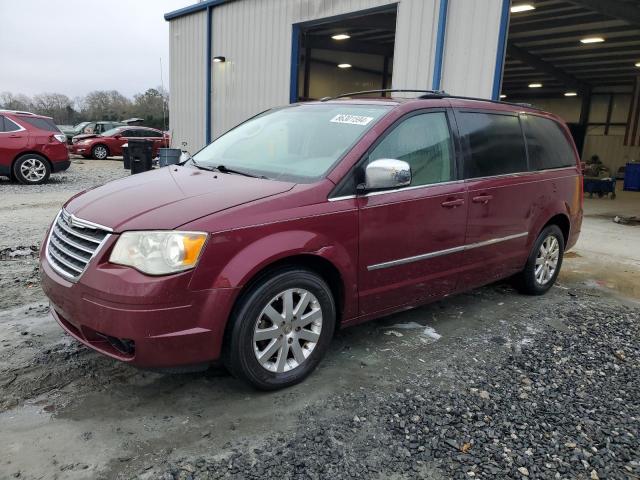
x=298 y=143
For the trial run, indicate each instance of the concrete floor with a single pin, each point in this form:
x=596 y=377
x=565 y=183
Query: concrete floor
x=607 y=253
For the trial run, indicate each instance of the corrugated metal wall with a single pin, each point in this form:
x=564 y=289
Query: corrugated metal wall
x=255 y=38
x=187 y=50
x=471 y=46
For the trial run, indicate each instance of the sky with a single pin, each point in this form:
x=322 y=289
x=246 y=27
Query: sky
x=74 y=47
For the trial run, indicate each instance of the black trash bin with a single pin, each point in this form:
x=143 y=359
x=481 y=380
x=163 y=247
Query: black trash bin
x=140 y=155
x=126 y=159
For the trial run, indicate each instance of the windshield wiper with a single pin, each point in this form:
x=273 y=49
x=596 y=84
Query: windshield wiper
x=195 y=164
x=223 y=169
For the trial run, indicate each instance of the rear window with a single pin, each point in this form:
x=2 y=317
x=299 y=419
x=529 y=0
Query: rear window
x=547 y=144
x=496 y=144
x=41 y=123
x=150 y=133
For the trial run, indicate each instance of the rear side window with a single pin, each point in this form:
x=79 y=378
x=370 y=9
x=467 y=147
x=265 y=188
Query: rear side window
x=41 y=123
x=547 y=144
x=496 y=144
x=423 y=141
x=7 y=125
x=150 y=133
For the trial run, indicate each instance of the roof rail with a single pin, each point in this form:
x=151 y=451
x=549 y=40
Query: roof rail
x=426 y=93
x=17 y=112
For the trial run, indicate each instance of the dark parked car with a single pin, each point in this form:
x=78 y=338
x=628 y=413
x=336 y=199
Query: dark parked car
x=95 y=128
x=31 y=147
x=310 y=218
x=109 y=143
x=70 y=132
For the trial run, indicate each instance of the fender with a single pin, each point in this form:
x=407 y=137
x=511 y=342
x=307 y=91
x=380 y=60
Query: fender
x=266 y=251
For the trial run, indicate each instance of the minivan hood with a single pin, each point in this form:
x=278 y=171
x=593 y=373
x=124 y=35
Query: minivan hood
x=168 y=197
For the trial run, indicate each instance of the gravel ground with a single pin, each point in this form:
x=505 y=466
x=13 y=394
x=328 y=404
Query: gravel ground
x=81 y=175
x=487 y=384
x=564 y=404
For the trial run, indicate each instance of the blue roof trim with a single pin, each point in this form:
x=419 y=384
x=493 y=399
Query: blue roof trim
x=198 y=7
x=207 y=132
x=502 y=48
x=442 y=26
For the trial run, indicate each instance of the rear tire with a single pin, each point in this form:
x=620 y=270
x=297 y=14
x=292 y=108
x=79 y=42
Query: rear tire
x=31 y=169
x=544 y=262
x=281 y=329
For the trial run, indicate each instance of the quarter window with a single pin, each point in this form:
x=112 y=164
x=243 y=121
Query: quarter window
x=7 y=125
x=547 y=144
x=424 y=142
x=496 y=144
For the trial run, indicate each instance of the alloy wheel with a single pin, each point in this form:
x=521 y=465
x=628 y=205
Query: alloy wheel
x=547 y=260
x=100 y=152
x=287 y=330
x=33 y=169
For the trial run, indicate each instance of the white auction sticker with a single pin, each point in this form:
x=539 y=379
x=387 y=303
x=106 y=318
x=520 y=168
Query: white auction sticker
x=351 y=119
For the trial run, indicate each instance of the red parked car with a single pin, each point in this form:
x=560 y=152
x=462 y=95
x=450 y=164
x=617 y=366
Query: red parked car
x=310 y=218
x=109 y=143
x=31 y=147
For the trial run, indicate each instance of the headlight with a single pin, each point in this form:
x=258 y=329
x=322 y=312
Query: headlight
x=158 y=252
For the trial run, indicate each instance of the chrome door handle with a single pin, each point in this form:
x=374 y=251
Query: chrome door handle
x=482 y=199
x=453 y=203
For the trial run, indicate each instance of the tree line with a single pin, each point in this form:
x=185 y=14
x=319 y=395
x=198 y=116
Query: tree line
x=152 y=106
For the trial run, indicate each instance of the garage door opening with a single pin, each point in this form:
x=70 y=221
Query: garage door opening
x=579 y=60
x=344 y=54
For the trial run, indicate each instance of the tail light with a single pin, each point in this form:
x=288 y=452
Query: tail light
x=61 y=137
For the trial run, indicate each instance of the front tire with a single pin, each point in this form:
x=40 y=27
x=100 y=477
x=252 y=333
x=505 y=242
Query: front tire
x=31 y=169
x=544 y=262
x=281 y=329
x=100 y=152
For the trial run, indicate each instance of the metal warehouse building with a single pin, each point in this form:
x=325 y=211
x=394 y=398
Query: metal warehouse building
x=580 y=59
x=280 y=51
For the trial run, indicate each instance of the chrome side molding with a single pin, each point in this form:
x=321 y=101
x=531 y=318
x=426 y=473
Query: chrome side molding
x=448 y=251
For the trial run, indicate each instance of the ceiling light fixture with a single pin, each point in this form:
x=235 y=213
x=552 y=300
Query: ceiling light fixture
x=535 y=85
x=341 y=36
x=502 y=95
x=571 y=94
x=638 y=64
x=592 y=40
x=344 y=65
x=523 y=7
x=219 y=59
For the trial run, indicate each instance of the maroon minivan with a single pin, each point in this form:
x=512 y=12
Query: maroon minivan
x=309 y=218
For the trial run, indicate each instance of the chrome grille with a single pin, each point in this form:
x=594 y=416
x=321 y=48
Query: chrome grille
x=72 y=243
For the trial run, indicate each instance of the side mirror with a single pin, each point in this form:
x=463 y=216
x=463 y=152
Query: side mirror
x=387 y=173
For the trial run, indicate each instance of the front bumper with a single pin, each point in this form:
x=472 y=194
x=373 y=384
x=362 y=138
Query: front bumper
x=154 y=322
x=77 y=149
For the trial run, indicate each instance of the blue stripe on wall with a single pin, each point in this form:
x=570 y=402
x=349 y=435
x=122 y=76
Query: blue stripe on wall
x=295 y=57
x=207 y=132
x=502 y=46
x=439 y=58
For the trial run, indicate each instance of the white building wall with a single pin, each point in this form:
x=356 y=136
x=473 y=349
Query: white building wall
x=255 y=36
x=471 y=47
x=187 y=51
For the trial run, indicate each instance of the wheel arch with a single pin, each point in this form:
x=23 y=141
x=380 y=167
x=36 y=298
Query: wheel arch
x=563 y=222
x=307 y=261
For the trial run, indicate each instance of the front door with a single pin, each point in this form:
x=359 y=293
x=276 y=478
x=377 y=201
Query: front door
x=499 y=195
x=410 y=238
